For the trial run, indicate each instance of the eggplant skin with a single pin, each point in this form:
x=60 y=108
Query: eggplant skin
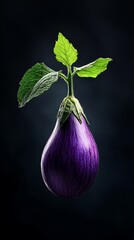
x=70 y=159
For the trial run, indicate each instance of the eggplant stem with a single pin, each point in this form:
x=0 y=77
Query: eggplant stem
x=70 y=83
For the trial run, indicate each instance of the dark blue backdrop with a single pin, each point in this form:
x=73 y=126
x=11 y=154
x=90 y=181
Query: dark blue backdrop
x=96 y=29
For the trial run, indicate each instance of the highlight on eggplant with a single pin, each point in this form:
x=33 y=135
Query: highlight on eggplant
x=70 y=158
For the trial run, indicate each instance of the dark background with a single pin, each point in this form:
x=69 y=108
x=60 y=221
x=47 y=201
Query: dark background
x=28 y=33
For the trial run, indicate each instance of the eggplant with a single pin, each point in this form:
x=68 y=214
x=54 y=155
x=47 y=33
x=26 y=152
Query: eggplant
x=70 y=159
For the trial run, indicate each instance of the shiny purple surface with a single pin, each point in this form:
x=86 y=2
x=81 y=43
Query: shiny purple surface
x=70 y=159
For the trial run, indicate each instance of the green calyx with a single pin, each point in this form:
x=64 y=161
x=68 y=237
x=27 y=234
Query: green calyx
x=70 y=105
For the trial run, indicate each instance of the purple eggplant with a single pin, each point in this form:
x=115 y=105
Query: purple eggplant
x=70 y=159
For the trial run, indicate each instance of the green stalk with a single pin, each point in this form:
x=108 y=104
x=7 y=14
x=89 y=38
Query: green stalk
x=70 y=83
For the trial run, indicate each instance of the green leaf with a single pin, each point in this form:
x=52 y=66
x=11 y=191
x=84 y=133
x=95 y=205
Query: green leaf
x=35 y=81
x=93 y=69
x=64 y=51
x=43 y=84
